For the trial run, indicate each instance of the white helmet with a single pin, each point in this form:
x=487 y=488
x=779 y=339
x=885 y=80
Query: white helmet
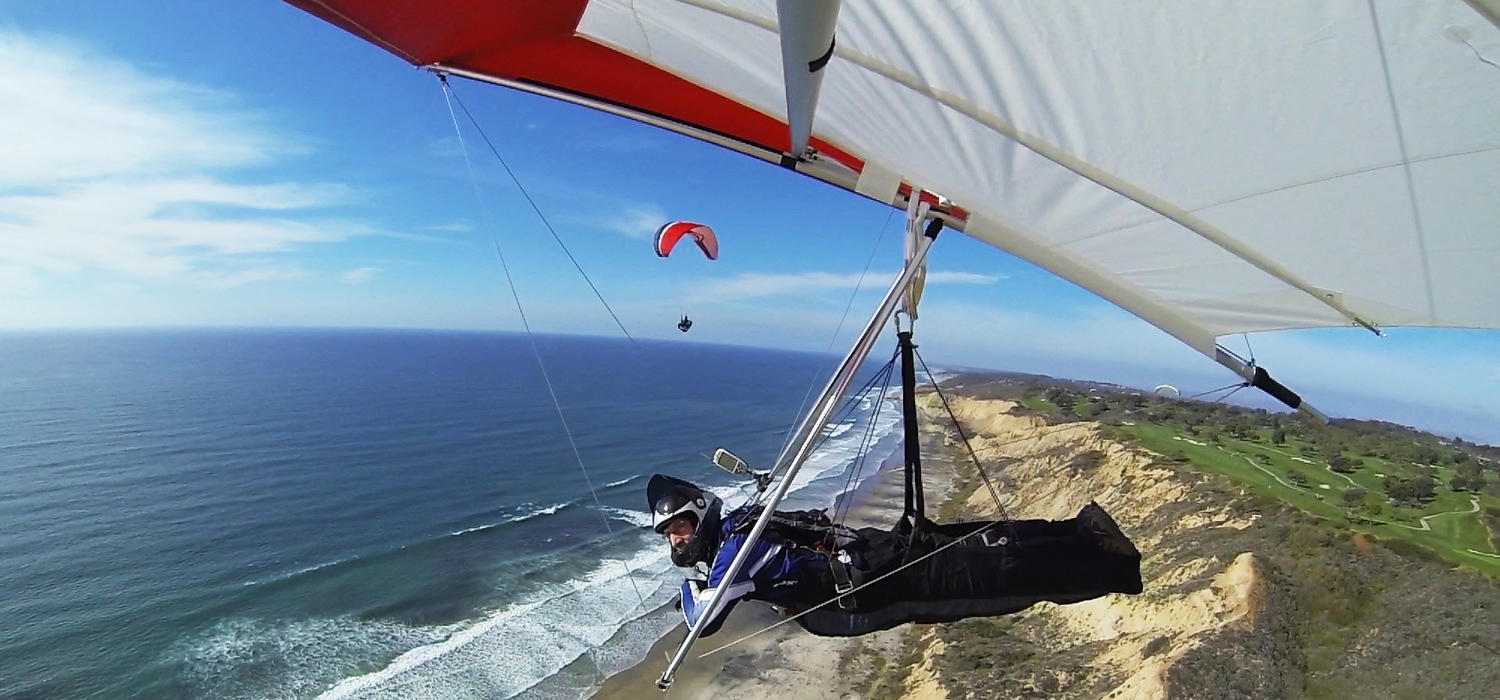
x=671 y=499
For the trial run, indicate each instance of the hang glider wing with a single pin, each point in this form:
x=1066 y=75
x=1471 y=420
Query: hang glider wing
x=1214 y=168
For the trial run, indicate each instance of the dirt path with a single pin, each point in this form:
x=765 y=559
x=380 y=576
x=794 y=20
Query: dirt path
x=1427 y=527
x=1424 y=525
x=1474 y=500
x=1245 y=457
x=1305 y=460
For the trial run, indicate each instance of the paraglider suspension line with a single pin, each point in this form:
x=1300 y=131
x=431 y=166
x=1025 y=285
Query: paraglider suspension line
x=530 y=338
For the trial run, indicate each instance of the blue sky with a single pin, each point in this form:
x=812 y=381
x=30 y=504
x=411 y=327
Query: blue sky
x=233 y=164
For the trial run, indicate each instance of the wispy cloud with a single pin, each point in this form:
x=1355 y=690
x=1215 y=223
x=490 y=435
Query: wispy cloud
x=84 y=115
x=951 y=277
x=237 y=278
x=450 y=227
x=15 y=280
x=360 y=275
x=128 y=172
x=752 y=285
x=157 y=228
x=639 y=221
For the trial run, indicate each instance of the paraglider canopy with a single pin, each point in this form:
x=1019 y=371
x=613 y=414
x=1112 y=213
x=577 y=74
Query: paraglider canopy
x=1167 y=390
x=668 y=235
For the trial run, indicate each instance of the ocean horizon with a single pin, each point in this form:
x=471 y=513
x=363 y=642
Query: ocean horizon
x=247 y=513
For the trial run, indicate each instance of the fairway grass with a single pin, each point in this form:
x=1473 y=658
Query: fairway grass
x=1451 y=528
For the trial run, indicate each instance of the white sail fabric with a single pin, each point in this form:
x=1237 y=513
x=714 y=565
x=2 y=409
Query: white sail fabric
x=1325 y=161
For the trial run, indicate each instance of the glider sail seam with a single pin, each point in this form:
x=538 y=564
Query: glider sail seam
x=1411 y=187
x=1063 y=158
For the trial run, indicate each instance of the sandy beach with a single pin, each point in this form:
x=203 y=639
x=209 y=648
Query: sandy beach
x=787 y=661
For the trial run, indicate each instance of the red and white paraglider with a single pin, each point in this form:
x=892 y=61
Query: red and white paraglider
x=666 y=239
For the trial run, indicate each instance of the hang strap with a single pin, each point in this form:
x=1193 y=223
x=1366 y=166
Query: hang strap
x=915 y=501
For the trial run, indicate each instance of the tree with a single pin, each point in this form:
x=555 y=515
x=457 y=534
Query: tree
x=1278 y=435
x=1354 y=496
x=1342 y=464
x=1415 y=490
x=1297 y=478
x=1425 y=454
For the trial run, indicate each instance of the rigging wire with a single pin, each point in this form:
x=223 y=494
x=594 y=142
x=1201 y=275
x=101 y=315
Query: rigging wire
x=1235 y=386
x=994 y=493
x=843 y=412
x=863 y=452
x=792 y=430
x=1225 y=397
x=848 y=408
x=882 y=577
x=530 y=337
x=453 y=96
x=856 y=589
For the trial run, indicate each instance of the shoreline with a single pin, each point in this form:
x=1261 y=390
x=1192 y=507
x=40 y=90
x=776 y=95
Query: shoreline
x=799 y=665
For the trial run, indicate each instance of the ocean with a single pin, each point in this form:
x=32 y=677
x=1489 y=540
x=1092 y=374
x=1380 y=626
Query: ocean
x=363 y=514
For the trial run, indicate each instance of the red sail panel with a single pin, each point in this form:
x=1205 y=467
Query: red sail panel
x=535 y=41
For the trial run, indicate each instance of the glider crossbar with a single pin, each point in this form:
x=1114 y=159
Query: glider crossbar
x=1259 y=378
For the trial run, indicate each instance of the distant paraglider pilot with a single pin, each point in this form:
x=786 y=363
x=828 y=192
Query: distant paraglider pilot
x=666 y=239
x=803 y=560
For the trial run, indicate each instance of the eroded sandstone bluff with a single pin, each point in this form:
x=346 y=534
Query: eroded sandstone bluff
x=1245 y=597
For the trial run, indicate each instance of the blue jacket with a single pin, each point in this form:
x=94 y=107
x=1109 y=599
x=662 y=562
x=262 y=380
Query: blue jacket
x=770 y=572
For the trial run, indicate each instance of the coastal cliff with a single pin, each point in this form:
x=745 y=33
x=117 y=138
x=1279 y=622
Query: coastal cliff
x=1245 y=596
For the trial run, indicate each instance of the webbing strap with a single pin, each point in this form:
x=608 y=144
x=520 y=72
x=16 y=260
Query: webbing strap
x=843 y=584
x=915 y=501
